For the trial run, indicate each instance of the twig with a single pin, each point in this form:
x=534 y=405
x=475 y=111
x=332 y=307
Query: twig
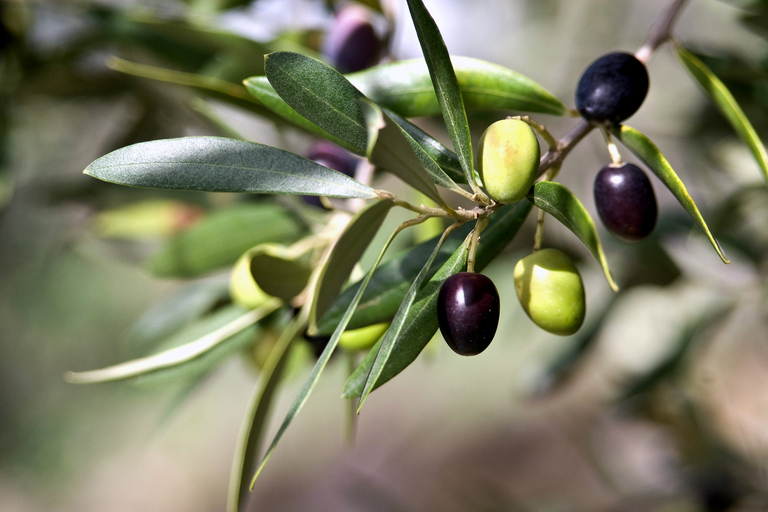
x=660 y=32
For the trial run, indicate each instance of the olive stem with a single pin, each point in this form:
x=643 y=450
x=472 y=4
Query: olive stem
x=555 y=156
x=660 y=33
x=482 y=222
x=540 y=129
x=612 y=149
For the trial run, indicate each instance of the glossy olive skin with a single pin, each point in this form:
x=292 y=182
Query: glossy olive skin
x=612 y=88
x=468 y=312
x=351 y=43
x=508 y=160
x=551 y=291
x=625 y=201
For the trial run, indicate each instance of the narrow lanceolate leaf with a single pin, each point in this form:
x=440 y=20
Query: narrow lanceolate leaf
x=320 y=94
x=262 y=90
x=221 y=237
x=392 y=149
x=252 y=430
x=445 y=84
x=647 y=151
x=215 y=164
x=344 y=256
x=405 y=87
x=421 y=322
x=398 y=325
x=555 y=199
x=309 y=385
x=726 y=103
x=178 y=355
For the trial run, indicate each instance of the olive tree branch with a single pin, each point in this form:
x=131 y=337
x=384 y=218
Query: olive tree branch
x=660 y=32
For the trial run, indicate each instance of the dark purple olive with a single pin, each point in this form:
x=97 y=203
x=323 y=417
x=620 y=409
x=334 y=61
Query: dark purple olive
x=625 y=202
x=352 y=43
x=468 y=312
x=612 y=88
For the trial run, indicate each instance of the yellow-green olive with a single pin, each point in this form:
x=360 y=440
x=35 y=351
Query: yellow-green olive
x=242 y=288
x=364 y=337
x=550 y=290
x=508 y=160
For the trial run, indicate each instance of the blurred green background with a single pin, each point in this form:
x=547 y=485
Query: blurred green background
x=659 y=404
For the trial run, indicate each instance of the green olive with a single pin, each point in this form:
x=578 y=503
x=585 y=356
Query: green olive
x=550 y=290
x=364 y=337
x=242 y=288
x=508 y=159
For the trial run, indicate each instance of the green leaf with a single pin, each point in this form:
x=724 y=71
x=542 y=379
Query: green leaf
x=225 y=331
x=400 y=322
x=446 y=86
x=221 y=237
x=406 y=88
x=320 y=94
x=555 y=199
x=216 y=164
x=262 y=90
x=256 y=416
x=322 y=361
x=389 y=285
x=278 y=272
x=344 y=256
x=726 y=103
x=393 y=150
x=647 y=151
x=421 y=322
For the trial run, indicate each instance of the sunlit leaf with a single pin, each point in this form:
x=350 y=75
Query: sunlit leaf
x=198 y=341
x=220 y=238
x=647 y=151
x=216 y=164
x=555 y=199
x=445 y=84
x=320 y=94
x=393 y=150
x=345 y=254
x=726 y=103
x=405 y=87
x=421 y=322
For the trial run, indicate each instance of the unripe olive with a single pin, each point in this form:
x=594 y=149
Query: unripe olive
x=364 y=337
x=508 y=159
x=243 y=288
x=550 y=290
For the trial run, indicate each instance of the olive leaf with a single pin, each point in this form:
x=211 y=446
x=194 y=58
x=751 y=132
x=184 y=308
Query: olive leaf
x=322 y=361
x=726 y=103
x=278 y=271
x=221 y=237
x=393 y=150
x=345 y=255
x=421 y=320
x=256 y=416
x=321 y=94
x=446 y=86
x=197 y=341
x=405 y=87
x=216 y=164
x=647 y=151
x=555 y=199
x=260 y=88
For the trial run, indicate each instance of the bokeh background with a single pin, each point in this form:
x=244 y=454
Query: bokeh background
x=660 y=403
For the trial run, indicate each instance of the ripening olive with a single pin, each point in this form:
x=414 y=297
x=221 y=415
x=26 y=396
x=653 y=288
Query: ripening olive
x=625 y=202
x=351 y=43
x=508 y=159
x=550 y=290
x=468 y=312
x=243 y=288
x=612 y=88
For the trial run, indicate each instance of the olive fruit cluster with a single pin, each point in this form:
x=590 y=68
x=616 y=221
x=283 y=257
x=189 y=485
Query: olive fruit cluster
x=508 y=160
x=625 y=201
x=612 y=88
